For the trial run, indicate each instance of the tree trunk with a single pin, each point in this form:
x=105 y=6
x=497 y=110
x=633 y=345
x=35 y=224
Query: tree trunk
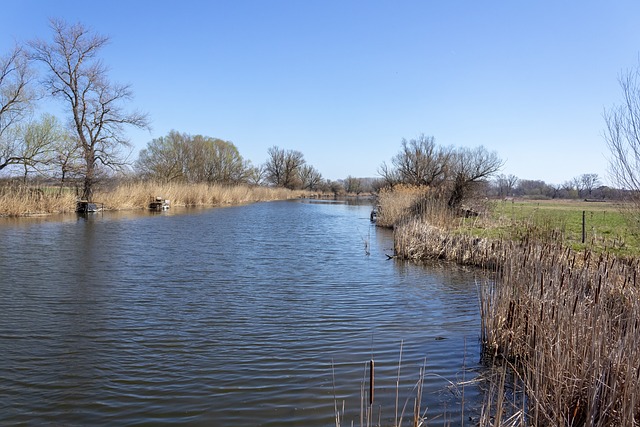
x=457 y=193
x=87 y=191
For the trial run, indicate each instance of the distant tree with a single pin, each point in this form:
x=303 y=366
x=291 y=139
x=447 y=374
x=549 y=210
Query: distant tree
x=469 y=168
x=283 y=167
x=421 y=162
x=310 y=177
x=79 y=79
x=567 y=190
x=377 y=185
x=389 y=174
x=586 y=184
x=223 y=162
x=367 y=185
x=182 y=157
x=455 y=173
x=16 y=100
x=164 y=158
x=336 y=188
x=353 y=185
x=506 y=184
x=534 y=188
x=256 y=175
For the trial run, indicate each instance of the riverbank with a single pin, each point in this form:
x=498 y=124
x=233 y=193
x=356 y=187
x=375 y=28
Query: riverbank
x=561 y=322
x=19 y=201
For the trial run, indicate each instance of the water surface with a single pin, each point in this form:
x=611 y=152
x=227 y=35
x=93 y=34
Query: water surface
x=248 y=315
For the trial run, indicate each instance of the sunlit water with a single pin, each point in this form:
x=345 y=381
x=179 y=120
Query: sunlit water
x=263 y=314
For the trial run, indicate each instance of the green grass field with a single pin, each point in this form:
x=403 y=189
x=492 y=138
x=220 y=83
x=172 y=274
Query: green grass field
x=607 y=227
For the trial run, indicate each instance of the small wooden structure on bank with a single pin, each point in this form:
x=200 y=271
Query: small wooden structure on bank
x=159 y=204
x=84 y=207
x=374 y=213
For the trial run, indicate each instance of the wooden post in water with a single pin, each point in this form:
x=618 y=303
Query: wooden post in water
x=584 y=228
x=371 y=380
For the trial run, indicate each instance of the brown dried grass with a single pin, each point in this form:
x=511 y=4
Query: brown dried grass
x=20 y=200
x=568 y=322
x=137 y=195
x=564 y=324
x=26 y=201
x=404 y=203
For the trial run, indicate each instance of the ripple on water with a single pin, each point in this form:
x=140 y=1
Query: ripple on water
x=251 y=315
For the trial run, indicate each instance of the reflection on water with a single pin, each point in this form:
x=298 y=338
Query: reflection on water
x=230 y=316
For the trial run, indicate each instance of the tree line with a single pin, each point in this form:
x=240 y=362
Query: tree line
x=180 y=157
x=584 y=186
x=92 y=141
x=93 y=144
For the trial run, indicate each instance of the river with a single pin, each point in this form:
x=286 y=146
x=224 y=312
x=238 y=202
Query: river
x=264 y=314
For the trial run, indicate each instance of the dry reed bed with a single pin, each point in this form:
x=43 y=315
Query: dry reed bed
x=566 y=323
x=25 y=201
x=569 y=324
x=397 y=203
x=139 y=194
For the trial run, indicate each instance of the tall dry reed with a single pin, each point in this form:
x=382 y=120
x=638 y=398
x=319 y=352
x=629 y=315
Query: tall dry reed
x=24 y=201
x=397 y=203
x=134 y=195
x=564 y=325
x=569 y=324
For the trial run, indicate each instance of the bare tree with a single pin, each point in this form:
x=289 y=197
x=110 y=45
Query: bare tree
x=422 y=162
x=79 y=79
x=353 y=185
x=336 y=188
x=506 y=184
x=257 y=175
x=469 y=168
x=622 y=135
x=454 y=173
x=534 y=188
x=389 y=174
x=67 y=159
x=275 y=166
x=310 y=177
x=587 y=182
x=15 y=103
x=283 y=167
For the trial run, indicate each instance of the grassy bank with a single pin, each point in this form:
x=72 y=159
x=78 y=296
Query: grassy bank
x=26 y=200
x=607 y=226
x=560 y=318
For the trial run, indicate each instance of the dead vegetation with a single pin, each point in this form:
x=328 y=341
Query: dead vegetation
x=560 y=327
x=27 y=200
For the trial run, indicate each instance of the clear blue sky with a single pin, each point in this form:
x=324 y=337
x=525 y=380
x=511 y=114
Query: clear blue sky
x=344 y=81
